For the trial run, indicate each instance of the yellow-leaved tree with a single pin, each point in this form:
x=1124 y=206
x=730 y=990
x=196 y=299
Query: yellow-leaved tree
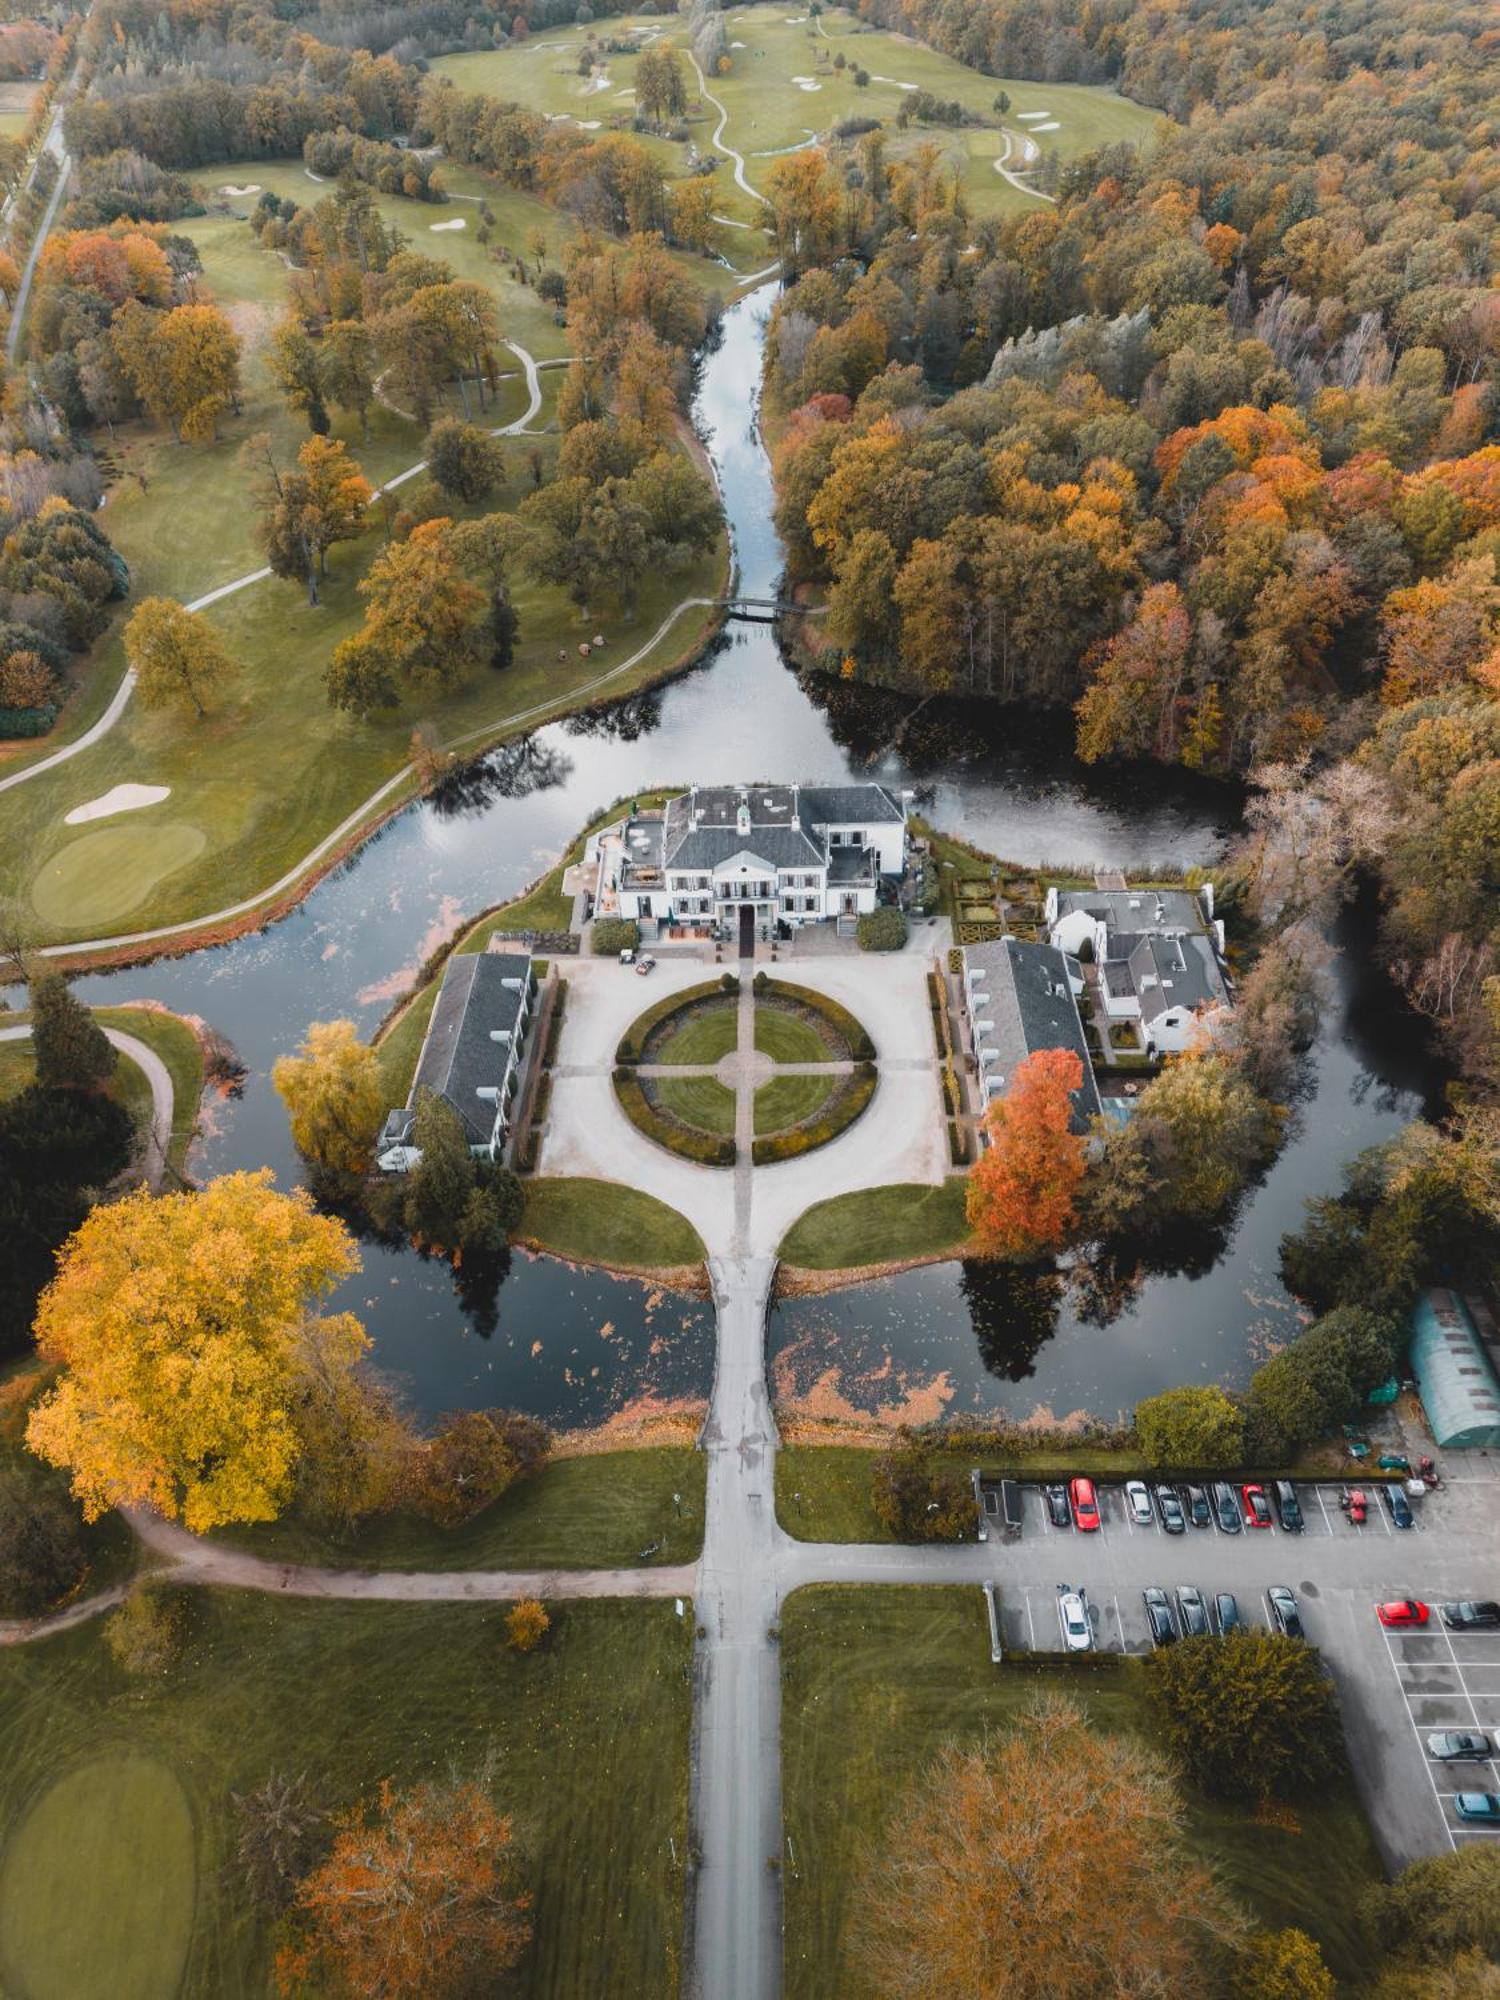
x=333 y=1095
x=183 y=1328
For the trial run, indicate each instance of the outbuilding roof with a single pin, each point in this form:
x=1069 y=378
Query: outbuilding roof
x=481 y=999
x=1459 y=1388
x=1026 y=1001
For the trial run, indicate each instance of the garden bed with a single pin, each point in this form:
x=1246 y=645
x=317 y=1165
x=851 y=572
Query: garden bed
x=656 y=1025
x=847 y=1102
x=843 y=1035
x=705 y=1149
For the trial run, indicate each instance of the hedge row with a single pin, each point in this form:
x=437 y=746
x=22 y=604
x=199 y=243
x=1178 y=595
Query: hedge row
x=633 y=1041
x=837 y=1116
x=706 y=1149
x=958 y=1143
x=849 y=1030
x=555 y=1025
x=612 y=935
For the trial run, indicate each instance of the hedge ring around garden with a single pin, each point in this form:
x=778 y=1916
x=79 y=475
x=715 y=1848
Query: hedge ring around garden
x=679 y=1079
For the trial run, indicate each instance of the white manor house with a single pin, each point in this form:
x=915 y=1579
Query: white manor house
x=748 y=858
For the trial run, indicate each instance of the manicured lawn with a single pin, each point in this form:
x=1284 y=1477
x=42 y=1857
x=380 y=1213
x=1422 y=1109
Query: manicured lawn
x=880 y=1225
x=594 y=1512
x=787 y=1037
x=401 y=1044
x=605 y=1222
x=705 y=1037
x=273 y=769
x=876 y=1679
x=787 y=1100
x=782 y=89
x=588 y=1738
x=697 y=1100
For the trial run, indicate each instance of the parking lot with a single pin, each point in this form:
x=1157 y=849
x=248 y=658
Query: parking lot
x=1395 y=1688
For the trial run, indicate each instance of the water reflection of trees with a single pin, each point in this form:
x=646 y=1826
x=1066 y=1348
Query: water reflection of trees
x=622 y=721
x=514 y=771
x=1013 y=1311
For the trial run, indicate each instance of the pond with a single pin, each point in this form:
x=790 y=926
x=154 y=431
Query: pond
x=577 y=1347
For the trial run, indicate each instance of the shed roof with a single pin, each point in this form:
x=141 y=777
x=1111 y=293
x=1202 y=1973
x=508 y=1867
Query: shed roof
x=1460 y=1392
x=482 y=995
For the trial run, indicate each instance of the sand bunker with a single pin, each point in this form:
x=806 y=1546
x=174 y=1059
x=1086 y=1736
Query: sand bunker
x=588 y=124
x=1051 y=125
x=736 y=45
x=458 y=222
x=1027 y=116
x=895 y=81
x=119 y=799
x=806 y=83
x=235 y=193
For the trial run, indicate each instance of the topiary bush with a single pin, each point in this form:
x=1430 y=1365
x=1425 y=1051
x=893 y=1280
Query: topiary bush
x=837 y=1115
x=612 y=935
x=881 y=930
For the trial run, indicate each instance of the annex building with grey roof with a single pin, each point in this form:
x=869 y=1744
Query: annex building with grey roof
x=474 y=1056
x=1159 y=954
x=1021 y=998
x=789 y=854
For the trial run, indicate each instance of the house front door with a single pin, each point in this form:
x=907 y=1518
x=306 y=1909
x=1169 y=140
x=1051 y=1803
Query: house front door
x=747 y=930
x=850 y=905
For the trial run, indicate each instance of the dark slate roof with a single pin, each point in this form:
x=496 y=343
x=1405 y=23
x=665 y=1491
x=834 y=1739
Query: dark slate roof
x=849 y=805
x=1029 y=1000
x=458 y=1056
x=702 y=826
x=1135 y=910
x=1185 y=971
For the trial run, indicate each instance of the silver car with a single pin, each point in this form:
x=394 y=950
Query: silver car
x=1138 y=1500
x=1459 y=1746
x=1073 y=1617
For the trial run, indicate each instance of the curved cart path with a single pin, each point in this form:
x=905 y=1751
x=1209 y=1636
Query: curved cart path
x=718 y=140
x=156 y=1073
x=118 y=701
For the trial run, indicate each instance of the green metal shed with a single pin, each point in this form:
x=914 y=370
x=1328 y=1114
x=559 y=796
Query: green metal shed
x=1460 y=1391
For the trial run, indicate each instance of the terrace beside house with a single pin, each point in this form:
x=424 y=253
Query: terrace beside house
x=1157 y=956
x=475 y=1056
x=761 y=860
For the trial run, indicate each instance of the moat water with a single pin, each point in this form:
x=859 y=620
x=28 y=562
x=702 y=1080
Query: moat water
x=577 y=1347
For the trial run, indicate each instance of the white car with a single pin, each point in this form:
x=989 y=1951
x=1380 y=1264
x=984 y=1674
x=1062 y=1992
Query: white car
x=1138 y=1500
x=1073 y=1617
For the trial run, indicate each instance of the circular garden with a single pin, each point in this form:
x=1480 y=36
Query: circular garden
x=680 y=1068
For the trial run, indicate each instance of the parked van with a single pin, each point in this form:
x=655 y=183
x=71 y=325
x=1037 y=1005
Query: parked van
x=1288 y=1506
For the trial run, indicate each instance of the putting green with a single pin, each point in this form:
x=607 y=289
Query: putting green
x=103 y=876
x=97 y=1887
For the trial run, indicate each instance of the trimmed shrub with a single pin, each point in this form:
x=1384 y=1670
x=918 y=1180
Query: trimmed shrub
x=555 y=1025
x=958 y=1144
x=881 y=930
x=837 y=1115
x=849 y=1030
x=706 y=1149
x=612 y=935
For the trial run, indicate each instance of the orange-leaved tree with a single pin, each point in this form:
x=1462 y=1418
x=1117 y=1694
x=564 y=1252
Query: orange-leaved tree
x=1024 y=1184
x=422 y=1896
x=1050 y=1863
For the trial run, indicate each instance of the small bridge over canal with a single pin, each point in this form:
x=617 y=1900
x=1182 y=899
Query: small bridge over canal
x=766 y=610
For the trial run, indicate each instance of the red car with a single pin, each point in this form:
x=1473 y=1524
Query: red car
x=1085 y=1505
x=1406 y=1611
x=1355 y=1506
x=1257 y=1508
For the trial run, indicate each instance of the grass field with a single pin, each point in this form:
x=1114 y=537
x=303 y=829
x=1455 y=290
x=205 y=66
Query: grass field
x=605 y=1222
x=594 y=1512
x=783 y=90
x=879 y=1225
x=875 y=1680
x=588 y=1736
x=704 y=1038
x=788 y=1038
x=697 y=1100
x=274 y=769
x=171 y=1038
x=788 y=1100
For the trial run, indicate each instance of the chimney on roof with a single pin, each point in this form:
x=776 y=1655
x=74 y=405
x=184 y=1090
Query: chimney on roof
x=742 y=816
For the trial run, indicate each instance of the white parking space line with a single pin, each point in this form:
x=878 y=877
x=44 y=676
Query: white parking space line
x=1030 y=1626
x=1318 y=1496
x=1443 y=1813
